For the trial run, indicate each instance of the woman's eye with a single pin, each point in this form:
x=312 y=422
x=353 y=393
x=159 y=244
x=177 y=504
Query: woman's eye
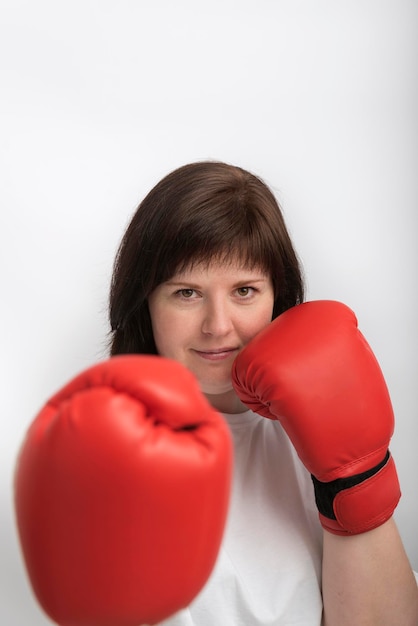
x=244 y=291
x=185 y=293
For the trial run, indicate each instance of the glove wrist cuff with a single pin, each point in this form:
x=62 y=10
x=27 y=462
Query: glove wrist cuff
x=359 y=503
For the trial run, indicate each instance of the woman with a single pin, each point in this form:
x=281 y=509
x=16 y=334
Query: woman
x=205 y=265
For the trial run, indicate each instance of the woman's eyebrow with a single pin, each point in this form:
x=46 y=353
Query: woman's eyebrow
x=253 y=279
x=178 y=282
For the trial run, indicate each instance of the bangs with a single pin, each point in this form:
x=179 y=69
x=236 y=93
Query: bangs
x=236 y=237
x=238 y=253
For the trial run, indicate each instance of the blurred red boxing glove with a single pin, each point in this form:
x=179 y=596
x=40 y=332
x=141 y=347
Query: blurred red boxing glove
x=121 y=494
x=312 y=370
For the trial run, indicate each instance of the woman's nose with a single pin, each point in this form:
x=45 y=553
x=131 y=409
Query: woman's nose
x=217 y=320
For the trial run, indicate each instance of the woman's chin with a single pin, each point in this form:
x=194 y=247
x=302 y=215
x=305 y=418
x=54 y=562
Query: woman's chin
x=216 y=388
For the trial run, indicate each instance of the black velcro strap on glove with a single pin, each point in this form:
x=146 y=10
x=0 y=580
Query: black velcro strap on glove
x=326 y=492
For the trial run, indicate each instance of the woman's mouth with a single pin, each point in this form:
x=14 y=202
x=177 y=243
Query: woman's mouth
x=217 y=354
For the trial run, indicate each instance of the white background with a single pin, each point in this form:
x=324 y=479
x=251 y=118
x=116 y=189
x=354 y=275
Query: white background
x=100 y=99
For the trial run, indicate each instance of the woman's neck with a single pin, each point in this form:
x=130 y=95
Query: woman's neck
x=227 y=402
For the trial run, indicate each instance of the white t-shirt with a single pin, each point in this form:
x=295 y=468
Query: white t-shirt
x=268 y=572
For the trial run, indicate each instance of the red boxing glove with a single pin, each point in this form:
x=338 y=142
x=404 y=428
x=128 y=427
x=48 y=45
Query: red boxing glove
x=121 y=494
x=312 y=370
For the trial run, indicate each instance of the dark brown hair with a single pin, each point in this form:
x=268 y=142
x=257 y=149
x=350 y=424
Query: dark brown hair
x=198 y=212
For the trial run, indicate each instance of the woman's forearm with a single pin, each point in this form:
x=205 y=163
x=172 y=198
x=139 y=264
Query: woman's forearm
x=367 y=580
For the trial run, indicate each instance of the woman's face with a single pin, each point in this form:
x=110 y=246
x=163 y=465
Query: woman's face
x=204 y=316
